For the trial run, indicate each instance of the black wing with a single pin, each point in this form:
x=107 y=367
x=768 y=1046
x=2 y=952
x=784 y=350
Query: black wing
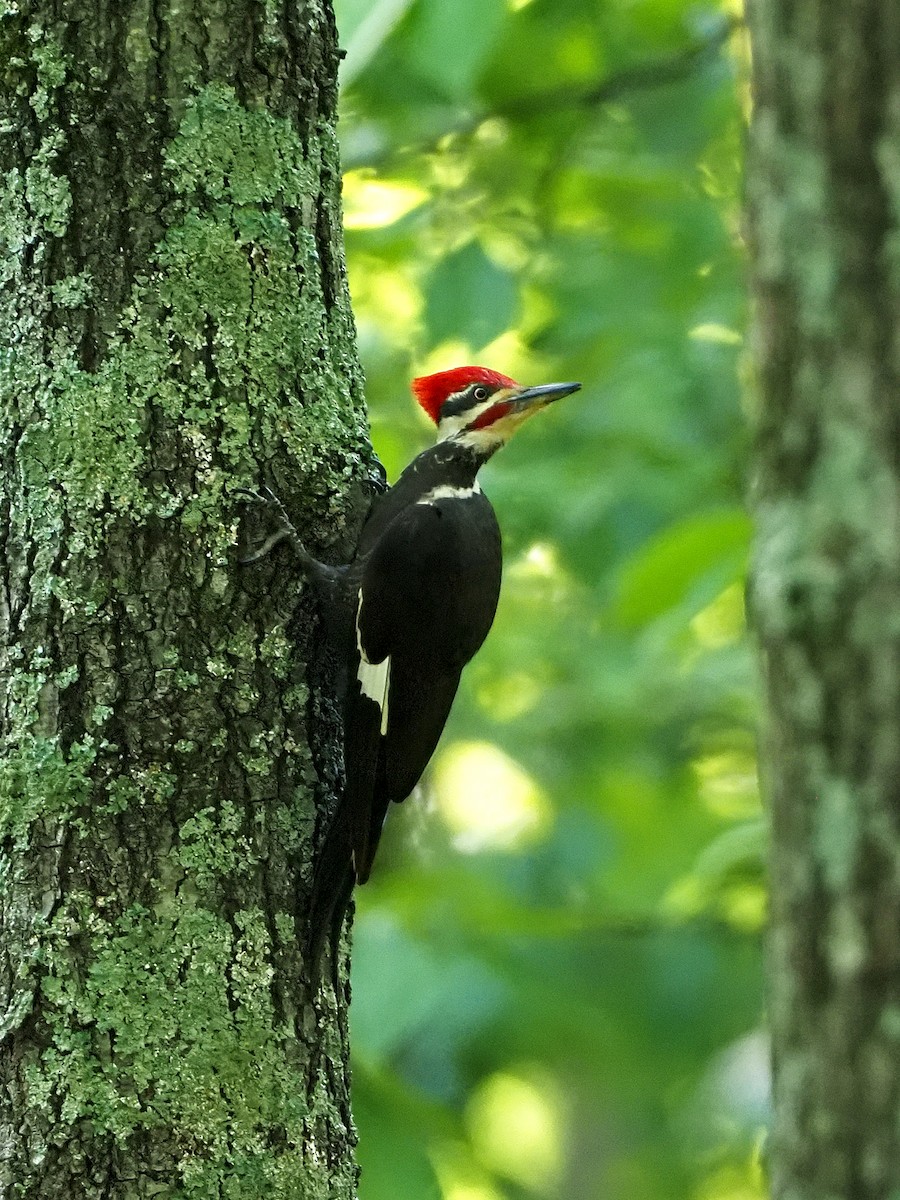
x=428 y=594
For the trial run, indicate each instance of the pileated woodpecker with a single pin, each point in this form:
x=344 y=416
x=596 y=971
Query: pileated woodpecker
x=417 y=602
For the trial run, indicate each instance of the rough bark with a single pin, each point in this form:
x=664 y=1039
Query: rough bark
x=174 y=323
x=824 y=200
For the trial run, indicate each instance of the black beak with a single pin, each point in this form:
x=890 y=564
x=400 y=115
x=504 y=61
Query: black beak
x=546 y=393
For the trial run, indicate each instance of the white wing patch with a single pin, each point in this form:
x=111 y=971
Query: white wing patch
x=374 y=678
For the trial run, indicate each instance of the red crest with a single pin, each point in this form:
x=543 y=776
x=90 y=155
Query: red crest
x=432 y=390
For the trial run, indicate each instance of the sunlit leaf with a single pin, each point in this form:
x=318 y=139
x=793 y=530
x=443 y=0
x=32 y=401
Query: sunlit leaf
x=516 y=1125
x=371 y=203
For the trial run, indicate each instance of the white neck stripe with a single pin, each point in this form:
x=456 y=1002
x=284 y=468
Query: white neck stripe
x=448 y=492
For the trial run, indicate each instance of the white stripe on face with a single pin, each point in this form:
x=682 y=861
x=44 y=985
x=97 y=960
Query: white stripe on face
x=450 y=426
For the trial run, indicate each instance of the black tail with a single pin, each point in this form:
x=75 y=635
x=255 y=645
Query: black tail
x=333 y=883
x=351 y=840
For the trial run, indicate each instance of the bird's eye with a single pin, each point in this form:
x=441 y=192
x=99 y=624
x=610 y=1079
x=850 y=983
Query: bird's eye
x=480 y=393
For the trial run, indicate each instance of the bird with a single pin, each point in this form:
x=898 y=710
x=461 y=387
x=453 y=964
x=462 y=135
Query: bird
x=411 y=610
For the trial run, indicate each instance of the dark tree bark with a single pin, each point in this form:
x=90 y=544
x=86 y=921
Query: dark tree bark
x=824 y=192
x=174 y=323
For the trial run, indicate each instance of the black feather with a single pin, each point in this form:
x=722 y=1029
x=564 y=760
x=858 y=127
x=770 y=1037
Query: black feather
x=427 y=580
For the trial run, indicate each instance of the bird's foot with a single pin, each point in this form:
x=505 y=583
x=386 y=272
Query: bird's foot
x=284 y=533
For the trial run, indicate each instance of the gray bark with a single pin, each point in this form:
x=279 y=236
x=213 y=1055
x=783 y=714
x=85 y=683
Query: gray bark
x=174 y=323
x=824 y=198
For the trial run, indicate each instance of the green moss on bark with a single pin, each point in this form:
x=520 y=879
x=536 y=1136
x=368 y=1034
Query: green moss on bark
x=179 y=1005
x=238 y=268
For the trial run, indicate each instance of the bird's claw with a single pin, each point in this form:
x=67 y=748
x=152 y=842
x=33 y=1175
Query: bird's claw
x=265 y=496
x=285 y=531
x=269 y=544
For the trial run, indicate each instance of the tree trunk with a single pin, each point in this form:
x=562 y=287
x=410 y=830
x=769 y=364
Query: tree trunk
x=174 y=324
x=824 y=197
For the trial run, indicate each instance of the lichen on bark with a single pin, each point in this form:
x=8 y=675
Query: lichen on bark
x=174 y=325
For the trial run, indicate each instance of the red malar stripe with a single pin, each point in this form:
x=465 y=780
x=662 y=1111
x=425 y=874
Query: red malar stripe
x=490 y=415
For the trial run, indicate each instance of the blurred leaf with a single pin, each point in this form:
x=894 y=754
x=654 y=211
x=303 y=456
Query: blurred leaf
x=469 y=298
x=448 y=43
x=666 y=570
x=392 y=1152
x=738 y=849
x=365 y=25
x=386 y=962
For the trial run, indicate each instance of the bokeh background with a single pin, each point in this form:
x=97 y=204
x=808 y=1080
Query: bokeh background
x=557 y=967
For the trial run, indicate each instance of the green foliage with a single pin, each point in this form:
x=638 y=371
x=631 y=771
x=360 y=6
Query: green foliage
x=557 y=965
